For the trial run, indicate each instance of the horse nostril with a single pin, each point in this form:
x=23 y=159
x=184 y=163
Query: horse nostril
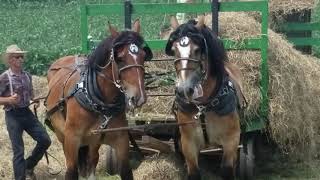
x=190 y=91
x=179 y=91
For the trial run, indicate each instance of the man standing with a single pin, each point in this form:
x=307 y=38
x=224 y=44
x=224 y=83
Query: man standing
x=16 y=92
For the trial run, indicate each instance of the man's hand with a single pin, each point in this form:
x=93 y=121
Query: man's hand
x=36 y=104
x=13 y=99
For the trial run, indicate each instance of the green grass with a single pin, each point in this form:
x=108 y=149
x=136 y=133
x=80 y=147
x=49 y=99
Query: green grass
x=46 y=31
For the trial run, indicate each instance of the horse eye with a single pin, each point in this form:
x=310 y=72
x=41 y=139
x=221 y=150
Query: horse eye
x=197 y=51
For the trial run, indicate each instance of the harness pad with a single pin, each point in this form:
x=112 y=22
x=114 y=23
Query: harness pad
x=225 y=102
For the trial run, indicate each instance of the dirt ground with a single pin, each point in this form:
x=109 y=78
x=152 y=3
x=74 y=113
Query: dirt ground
x=270 y=163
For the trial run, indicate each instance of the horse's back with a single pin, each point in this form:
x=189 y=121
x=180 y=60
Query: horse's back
x=62 y=75
x=64 y=63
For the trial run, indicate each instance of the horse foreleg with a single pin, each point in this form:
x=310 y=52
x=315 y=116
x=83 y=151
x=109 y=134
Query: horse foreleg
x=190 y=150
x=121 y=145
x=93 y=161
x=229 y=157
x=71 y=146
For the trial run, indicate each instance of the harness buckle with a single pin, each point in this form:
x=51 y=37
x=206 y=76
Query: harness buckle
x=199 y=113
x=117 y=84
x=214 y=102
x=105 y=122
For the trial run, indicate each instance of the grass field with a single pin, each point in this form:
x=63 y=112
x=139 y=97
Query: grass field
x=51 y=29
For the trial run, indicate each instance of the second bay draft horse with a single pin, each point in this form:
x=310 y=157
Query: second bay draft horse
x=208 y=91
x=86 y=95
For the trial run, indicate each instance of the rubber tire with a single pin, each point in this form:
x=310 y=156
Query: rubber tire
x=111 y=161
x=246 y=161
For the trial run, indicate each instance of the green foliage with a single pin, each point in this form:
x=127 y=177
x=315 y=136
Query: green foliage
x=50 y=29
x=46 y=31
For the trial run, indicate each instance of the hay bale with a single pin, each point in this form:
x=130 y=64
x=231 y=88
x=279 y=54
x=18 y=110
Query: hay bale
x=294 y=96
x=160 y=168
x=293 y=91
x=287 y=6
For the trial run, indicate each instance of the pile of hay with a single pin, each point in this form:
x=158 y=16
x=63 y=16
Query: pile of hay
x=293 y=86
x=288 y=6
x=160 y=168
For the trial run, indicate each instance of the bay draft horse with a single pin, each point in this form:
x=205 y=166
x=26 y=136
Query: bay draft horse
x=208 y=91
x=96 y=95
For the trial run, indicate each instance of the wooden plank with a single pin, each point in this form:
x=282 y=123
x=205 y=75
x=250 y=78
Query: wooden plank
x=172 y=8
x=305 y=41
x=152 y=117
x=300 y=26
x=238 y=6
x=252 y=43
x=162 y=8
x=105 y=9
x=153 y=143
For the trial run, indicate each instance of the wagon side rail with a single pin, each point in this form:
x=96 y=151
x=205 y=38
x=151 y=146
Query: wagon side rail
x=259 y=43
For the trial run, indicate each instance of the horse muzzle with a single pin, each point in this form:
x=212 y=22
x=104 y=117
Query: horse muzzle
x=190 y=93
x=135 y=101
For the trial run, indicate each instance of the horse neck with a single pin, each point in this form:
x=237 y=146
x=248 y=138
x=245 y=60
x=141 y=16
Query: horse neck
x=209 y=85
x=105 y=82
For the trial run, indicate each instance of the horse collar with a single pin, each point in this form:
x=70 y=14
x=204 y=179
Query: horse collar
x=223 y=102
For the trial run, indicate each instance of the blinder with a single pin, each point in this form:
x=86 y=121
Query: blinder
x=145 y=47
x=149 y=54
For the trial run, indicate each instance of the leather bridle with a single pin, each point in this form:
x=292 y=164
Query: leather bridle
x=115 y=70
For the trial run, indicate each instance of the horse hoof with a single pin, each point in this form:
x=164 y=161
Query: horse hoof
x=194 y=176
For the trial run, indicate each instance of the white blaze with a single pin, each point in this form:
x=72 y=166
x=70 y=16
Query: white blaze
x=184 y=53
x=134 y=56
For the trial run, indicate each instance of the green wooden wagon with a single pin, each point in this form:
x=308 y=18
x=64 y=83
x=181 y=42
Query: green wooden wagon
x=127 y=9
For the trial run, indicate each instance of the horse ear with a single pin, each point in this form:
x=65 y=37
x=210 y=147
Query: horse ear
x=113 y=31
x=136 y=26
x=174 y=22
x=200 y=23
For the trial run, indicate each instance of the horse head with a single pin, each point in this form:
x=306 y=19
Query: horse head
x=126 y=54
x=198 y=54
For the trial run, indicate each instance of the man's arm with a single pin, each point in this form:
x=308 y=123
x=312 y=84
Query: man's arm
x=13 y=99
x=9 y=100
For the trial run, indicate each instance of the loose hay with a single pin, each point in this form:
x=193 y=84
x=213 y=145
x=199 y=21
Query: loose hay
x=160 y=168
x=287 y=6
x=294 y=96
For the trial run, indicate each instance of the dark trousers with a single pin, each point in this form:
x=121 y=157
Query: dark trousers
x=19 y=120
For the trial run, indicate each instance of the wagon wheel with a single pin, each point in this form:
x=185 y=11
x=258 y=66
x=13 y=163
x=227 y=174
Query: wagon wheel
x=111 y=161
x=246 y=162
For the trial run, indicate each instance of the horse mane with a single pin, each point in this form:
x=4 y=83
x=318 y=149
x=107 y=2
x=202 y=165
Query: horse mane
x=216 y=52
x=101 y=55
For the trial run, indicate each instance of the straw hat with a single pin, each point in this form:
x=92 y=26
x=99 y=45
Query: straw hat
x=14 y=49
